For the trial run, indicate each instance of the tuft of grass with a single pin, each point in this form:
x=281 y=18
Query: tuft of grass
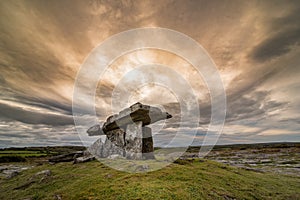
x=21 y=153
x=15 y=155
x=11 y=158
x=197 y=179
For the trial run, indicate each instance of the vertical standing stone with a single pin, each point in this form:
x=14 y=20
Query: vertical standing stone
x=147 y=148
x=134 y=140
x=96 y=148
x=117 y=137
x=109 y=148
x=113 y=145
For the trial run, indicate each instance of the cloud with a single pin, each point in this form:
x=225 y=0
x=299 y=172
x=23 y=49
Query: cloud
x=18 y=134
x=277 y=132
x=26 y=116
x=255 y=46
x=283 y=33
x=254 y=105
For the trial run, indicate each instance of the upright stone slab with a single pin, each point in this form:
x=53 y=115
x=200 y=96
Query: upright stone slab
x=134 y=141
x=96 y=148
x=114 y=144
x=117 y=137
x=147 y=148
x=111 y=149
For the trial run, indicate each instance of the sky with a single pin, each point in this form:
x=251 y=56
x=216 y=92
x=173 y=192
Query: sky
x=254 y=45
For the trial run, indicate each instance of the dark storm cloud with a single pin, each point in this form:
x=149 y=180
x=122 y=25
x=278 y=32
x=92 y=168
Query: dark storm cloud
x=21 y=134
x=255 y=105
x=284 y=34
x=277 y=45
x=51 y=105
x=31 y=117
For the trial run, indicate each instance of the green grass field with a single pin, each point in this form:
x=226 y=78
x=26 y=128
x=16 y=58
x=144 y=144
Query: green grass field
x=31 y=153
x=22 y=153
x=200 y=179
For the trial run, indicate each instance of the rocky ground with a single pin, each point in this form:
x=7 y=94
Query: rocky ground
x=11 y=170
x=184 y=179
x=276 y=158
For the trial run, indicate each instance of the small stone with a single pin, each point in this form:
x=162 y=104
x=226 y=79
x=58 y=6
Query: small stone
x=108 y=176
x=57 y=197
x=142 y=168
x=11 y=173
x=83 y=159
x=44 y=173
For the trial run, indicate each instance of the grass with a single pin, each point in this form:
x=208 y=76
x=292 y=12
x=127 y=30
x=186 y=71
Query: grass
x=18 y=152
x=23 y=153
x=19 y=155
x=199 y=179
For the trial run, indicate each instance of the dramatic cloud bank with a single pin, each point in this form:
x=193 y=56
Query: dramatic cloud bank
x=255 y=46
